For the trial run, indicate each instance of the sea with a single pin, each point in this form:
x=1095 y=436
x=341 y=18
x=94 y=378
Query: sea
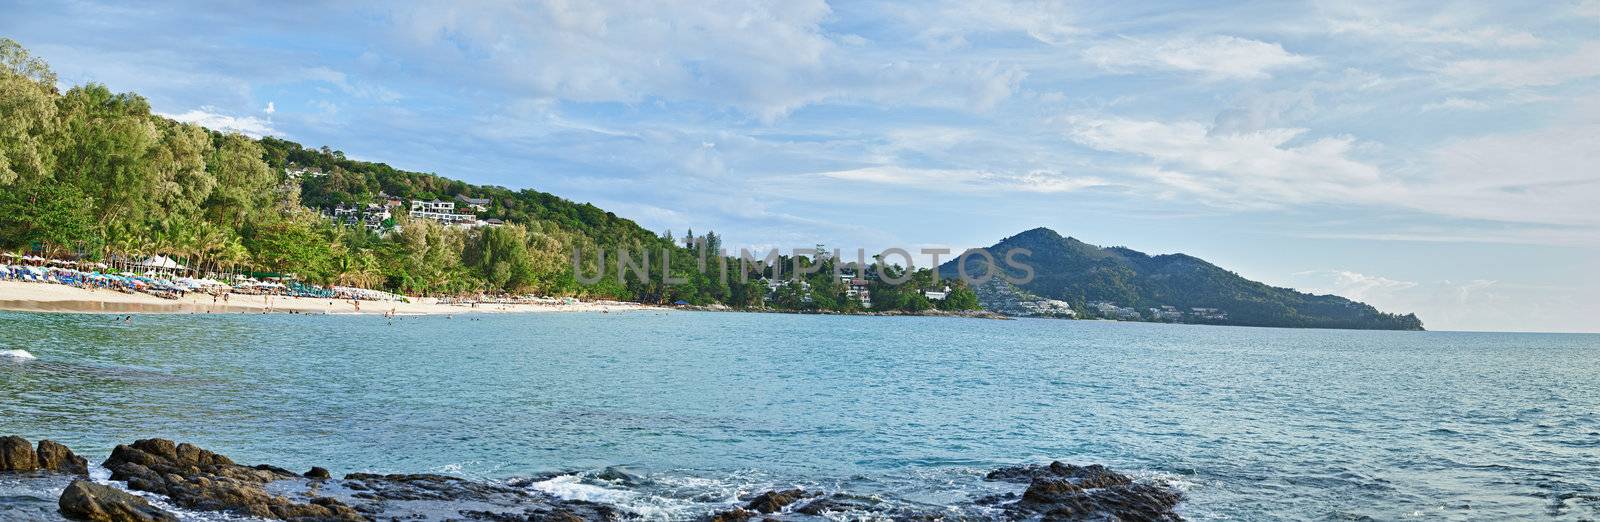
x=704 y=408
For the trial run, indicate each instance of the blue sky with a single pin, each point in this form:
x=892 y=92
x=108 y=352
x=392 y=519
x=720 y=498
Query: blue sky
x=1437 y=158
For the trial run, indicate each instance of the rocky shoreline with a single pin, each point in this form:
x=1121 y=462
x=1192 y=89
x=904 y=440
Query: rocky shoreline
x=196 y=480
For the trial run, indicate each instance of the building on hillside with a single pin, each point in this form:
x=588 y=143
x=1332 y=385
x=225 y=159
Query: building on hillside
x=1212 y=314
x=477 y=204
x=856 y=288
x=302 y=172
x=1045 y=308
x=1112 y=311
x=373 y=217
x=1167 y=313
x=443 y=212
x=774 y=284
x=937 y=295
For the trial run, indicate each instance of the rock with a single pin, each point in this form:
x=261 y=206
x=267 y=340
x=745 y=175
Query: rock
x=16 y=454
x=318 y=472
x=84 y=500
x=372 y=493
x=1067 y=492
x=198 y=479
x=837 y=503
x=732 y=515
x=56 y=457
x=774 y=501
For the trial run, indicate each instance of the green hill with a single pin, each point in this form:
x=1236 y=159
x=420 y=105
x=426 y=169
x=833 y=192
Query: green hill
x=1087 y=275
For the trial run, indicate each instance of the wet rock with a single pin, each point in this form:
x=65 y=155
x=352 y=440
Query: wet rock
x=617 y=475
x=567 y=511
x=56 y=457
x=198 y=479
x=16 y=454
x=837 y=503
x=1067 y=492
x=84 y=500
x=732 y=515
x=384 y=494
x=774 y=501
x=319 y=473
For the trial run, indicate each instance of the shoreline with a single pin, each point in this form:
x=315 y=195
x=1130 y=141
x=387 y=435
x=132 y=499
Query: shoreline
x=53 y=298
x=160 y=480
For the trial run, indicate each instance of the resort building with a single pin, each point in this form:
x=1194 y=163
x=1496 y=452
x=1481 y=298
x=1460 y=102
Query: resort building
x=476 y=204
x=371 y=216
x=1112 y=311
x=1166 y=313
x=443 y=212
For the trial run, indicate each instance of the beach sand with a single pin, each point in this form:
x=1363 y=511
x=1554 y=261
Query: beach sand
x=42 y=297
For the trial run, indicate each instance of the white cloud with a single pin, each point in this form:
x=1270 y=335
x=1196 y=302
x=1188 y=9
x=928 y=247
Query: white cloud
x=1551 y=176
x=1389 y=29
x=270 y=108
x=208 y=117
x=357 y=89
x=965 y=180
x=1545 y=177
x=1581 y=63
x=1456 y=104
x=1472 y=304
x=948 y=24
x=1353 y=285
x=1261 y=168
x=763 y=59
x=1217 y=57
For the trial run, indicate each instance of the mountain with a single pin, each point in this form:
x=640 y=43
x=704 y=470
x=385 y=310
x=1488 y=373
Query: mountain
x=1119 y=282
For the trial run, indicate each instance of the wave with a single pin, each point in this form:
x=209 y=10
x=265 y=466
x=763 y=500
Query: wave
x=17 y=354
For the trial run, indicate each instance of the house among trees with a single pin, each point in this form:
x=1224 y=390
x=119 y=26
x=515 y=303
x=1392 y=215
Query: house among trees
x=477 y=204
x=443 y=212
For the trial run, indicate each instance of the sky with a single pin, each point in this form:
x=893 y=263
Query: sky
x=1431 y=157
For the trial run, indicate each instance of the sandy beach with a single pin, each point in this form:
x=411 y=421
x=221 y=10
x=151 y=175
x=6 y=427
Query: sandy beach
x=39 y=297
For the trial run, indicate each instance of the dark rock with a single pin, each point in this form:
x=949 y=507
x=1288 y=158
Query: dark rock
x=16 y=454
x=373 y=493
x=198 y=479
x=617 y=475
x=1067 y=492
x=84 y=500
x=318 y=472
x=774 y=501
x=732 y=515
x=836 y=503
x=1093 y=475
x=56 y=457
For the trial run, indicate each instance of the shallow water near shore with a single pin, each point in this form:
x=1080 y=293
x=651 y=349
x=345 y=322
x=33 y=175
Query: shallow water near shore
x=704 y=407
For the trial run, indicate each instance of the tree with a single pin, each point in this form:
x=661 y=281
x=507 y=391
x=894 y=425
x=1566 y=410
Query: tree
x=960 y=298
x=57 y=217
x=244 y=182
x=501 y=255
x=27 y=104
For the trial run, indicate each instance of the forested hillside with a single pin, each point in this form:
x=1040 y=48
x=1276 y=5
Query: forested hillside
x=1084 y=274
x=93 y=174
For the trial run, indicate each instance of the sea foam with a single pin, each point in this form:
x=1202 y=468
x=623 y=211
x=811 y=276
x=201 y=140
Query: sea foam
x=17 y=354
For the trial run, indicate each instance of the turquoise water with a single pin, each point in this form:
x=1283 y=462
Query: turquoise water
x=1253 y=423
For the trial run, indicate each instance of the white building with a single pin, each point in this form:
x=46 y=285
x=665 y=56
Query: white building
x=443 y=212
